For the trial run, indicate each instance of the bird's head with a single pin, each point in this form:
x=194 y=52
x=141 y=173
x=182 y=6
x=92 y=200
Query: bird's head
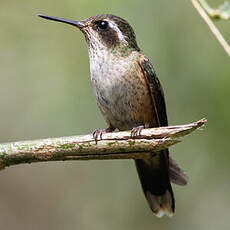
x=104 y=30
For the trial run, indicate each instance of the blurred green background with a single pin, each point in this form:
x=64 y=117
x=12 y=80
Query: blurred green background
x=45 y=92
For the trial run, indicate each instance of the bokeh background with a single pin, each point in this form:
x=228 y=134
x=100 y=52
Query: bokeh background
x=45 y=92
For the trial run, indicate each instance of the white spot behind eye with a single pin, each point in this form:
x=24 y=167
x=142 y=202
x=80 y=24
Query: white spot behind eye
x=114 y=26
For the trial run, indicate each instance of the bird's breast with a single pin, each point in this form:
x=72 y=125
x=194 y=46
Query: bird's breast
x=121 y=92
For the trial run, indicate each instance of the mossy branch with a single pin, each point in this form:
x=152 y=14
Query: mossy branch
x=117 y=145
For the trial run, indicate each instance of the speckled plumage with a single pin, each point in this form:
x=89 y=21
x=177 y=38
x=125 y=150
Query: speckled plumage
x=129 y=96
x=121 y=94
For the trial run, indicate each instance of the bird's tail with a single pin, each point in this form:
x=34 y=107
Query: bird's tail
x=155 y=181
x=176 y=174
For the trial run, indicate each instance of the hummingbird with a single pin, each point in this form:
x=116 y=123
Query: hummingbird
x=130 y=97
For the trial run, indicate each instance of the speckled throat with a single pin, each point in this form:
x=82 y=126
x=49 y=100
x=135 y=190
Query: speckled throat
x=120 y=90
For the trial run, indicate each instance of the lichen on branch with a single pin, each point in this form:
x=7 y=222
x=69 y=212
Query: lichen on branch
x=116 y=145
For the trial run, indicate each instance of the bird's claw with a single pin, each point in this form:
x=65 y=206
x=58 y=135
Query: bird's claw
x=136 y=131
x=97 y=134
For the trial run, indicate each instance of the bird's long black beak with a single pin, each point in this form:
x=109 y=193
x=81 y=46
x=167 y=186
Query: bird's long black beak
x=78 y=24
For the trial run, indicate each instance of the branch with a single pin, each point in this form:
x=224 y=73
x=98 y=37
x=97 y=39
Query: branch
x=116 y=145
x=222 y=12
x=212 y=27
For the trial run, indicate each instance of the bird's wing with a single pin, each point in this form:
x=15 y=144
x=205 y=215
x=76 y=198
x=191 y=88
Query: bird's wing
x=155 y=90
x=176 y=174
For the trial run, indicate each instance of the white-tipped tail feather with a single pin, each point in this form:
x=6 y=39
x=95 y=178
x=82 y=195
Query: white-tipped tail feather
x=160 y=205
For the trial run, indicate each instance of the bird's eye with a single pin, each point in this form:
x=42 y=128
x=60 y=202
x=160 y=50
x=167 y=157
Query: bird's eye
x=103 y=25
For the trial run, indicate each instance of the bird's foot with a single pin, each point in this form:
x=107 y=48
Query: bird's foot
x=97 y=134
x=137 y=131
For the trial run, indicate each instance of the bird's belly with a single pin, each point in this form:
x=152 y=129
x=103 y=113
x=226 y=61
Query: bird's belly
x=125 y=103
